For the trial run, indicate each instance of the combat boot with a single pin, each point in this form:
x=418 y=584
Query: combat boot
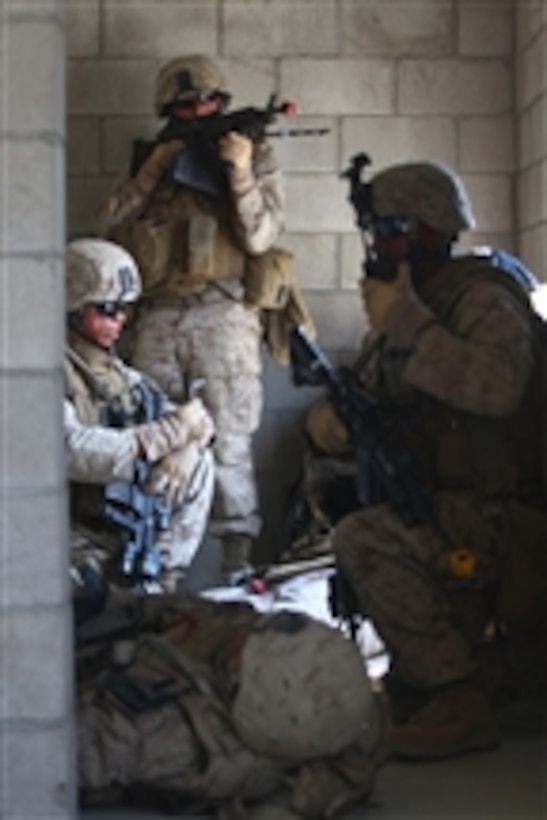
x=236 y=551
x=403 y=700
x=457 y=719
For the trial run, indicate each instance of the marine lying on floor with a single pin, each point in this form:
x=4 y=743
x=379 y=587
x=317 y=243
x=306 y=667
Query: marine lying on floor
x=188 y=703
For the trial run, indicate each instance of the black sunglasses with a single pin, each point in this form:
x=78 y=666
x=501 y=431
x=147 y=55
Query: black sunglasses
x=112 y=309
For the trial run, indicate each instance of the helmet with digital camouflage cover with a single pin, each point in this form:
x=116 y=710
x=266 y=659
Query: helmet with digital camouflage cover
x=428 y=192
x=303 y=689
x=99 y=271
x=188 y=78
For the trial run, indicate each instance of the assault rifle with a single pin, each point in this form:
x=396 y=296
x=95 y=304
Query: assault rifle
x=200 y=136
x=370 y=224
x=386 y=470
x=138 y=514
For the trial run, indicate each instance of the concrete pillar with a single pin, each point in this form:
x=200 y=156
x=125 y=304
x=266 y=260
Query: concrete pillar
x=36 y=694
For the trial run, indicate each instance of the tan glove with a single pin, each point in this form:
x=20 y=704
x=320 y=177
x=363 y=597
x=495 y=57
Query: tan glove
x=174 y=430
x=237 y=150
x=172 y=474
x=155 y=166
x=394 y=306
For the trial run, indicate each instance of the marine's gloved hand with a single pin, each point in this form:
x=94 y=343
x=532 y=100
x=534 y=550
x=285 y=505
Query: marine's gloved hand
x=199 y=421
x=189 y=422
x=171 y=475
x=155 y=166
x=394 y=303
x=237 y=150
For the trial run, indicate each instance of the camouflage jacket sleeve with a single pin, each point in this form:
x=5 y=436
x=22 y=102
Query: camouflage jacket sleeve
x=97 y=454
x=258 y=202
x=481 y=358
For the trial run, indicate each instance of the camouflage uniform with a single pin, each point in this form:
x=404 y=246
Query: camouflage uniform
x=191 y=249
x=217 y=707
x=98 y=453
x=457 y=371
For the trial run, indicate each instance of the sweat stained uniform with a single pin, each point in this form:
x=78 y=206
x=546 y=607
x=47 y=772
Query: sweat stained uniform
x=191 y=249
x=469 y=410
x=98 y=454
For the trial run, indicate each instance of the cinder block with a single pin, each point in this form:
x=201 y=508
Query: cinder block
x=33 y=559
x=316 y=259
x=137 y=29
x=531 y=72
x=85 y=196
x=486 y=144
x=338 y=87
x=472 y=239
x=492 y=200
x=83 y=143
x=532 y=250
x=25 y=282
x=33 y=59
x=530 y=196
x=82 y=28
x=396 y=29
x=532 y=133
x=530 y=17
x=33 y=172
x=103 y=87
x=118 y=135
x=279 y=28
x=454 y=87
x=303 y=152
x=251 y=81
x=38 y=773
x=42 y=633
x=340 y=320
x=316 y=204
x=400 y=139
x=31 y=445
x=353 y=257
x=486 y=28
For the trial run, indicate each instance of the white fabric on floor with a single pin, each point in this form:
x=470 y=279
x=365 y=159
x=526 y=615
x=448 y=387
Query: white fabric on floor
x=308 y=593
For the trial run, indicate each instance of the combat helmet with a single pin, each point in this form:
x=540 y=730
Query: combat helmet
x=99 y=271
x=426 y=191
x=303 y=690
x=187 y=78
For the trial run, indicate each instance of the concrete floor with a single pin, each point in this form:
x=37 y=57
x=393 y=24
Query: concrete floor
x=510 y=783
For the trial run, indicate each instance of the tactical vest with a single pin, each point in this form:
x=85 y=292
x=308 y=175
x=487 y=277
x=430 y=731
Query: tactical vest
x=461 y=450
x=87 y=500
x=181 y=241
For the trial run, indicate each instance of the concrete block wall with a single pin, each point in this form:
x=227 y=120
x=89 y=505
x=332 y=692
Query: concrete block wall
x=531 y=118
x=36 y=704
x=400 y=80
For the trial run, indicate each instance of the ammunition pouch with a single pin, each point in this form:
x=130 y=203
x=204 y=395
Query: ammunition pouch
x=271 y=285
x=268 y=279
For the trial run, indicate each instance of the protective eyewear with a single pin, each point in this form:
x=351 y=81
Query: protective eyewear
x=189 y=101
x=112 y=309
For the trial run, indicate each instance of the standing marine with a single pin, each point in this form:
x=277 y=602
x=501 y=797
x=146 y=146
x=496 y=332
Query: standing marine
x=193 y=238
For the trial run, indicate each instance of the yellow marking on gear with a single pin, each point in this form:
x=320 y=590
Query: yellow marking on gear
x=462 y=562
